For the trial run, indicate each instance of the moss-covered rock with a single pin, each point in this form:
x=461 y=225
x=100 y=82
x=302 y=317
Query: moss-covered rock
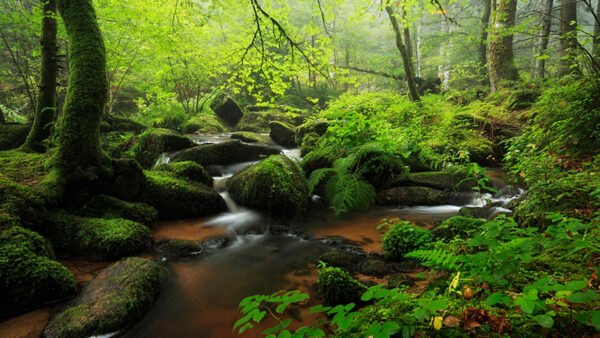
x=258 y=121
x=283 y=134
x=104 y=206
x=316 y=159
x=250 y=137
x=13 y=135
x=309 y=143
x=224 y=153
x=121 y=124
x=275 y=185
x=336 y=286
x=97 y=238
x=116 y=143
x=28 y=275
x=188 y=170
x=177 y=247
x=209 y=124
x=473 y=212
x=400 y=279
x=153 y=142
x=21 y=205
x=404 y=237
x=114 y=299
x=411 y=196
x=177 y=198
x=318 y=127
x=338 y=259
x=436 y=179
x=375 y=268
x=226 y=108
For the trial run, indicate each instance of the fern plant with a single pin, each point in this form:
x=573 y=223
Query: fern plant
x=349 y=183
x=437 y=258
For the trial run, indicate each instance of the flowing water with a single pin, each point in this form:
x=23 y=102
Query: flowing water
x=201 y=296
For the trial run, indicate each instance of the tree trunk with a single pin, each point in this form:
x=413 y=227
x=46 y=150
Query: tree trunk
x=407 y=40
x=501 y=60
x=540 y=63
x=410 y=79
x=79 y=158
x=483 y=37
x=568 y=37
x=418 y=49
x=596 y=44
x=2 y=120
x=46 y=104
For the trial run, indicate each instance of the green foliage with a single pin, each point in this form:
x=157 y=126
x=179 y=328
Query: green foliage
x=403 y=237
x=161 y=111
x=464 y=227
x=336 y=286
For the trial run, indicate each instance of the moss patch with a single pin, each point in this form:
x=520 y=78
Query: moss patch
x=118 y=296
x=13 y=135
x=250 y=137
x=153 y=142
x=103 y=206
x=336 y=286
x=20 y=204
x=177 y=198
x=116 y=144
x=121 y=124
x=283 y=134
x=437 y=180
x=210 y=124
x=275 y=185
x=410 y=196
x=97 y=238
x=188 y=170
x=28 y=275
x=318 y=127
x=224 y=153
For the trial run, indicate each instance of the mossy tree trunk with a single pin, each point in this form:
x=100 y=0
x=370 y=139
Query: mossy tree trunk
x=568 y=37
x=406 y=60
x=596 y=43
x=79 y=157
x=501 y=60
x=2 y=120
x=540 y=62
x=46 y=104
x=483 y=38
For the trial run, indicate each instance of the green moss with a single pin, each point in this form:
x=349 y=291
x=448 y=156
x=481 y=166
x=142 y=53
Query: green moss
x=28 y=275
x=438 y=180
x=318 y=127
x=210 y=124
x=375 y=268
x=336 y=286
x=224 y=153
x=103 y=206
x=283 y=134
x=121 y=124
x=403 y=238
x=23 y=167
x=411 y=196
x=309 y=143
x=20 y=204
x=317 y=159
x=97 y=238
x=338 y=259
x=275 y=185
x=114 y=299
x=177 y=198
x=188 y=170
x=153 y=142
x=464 y=227
x=116 y=144
x=13 y=135
x=250 y=137
x=521 y=99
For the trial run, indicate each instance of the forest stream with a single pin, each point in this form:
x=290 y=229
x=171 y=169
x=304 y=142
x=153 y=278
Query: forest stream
x=245 y=257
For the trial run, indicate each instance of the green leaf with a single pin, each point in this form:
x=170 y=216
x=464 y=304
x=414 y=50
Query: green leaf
x=545 y=321
x=494 y=299
x=285 y=334
x=259 y=316
x=578 y=298
x=576 y=285
x=245 y=327
x=595 y=318
x=316 y=333
x=367 y=296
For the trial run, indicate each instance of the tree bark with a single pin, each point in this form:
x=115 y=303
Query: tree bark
x=407 y=40
x=2 y=120
x=410 y=78
x=540 y=63
x=79 y=158
x=568 y=37
x=483 y=38
x=596 y=44
x=46 y=104
x=501 y=60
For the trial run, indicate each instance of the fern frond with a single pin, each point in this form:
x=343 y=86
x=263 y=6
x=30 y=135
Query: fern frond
x=348 y=192
x=438 y=258
x=342 y=165
x=317 y=176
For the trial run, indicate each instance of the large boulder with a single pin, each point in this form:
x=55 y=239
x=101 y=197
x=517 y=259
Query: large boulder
x=275 y=185
x=13 y=135
x=104 y=206
x=28 y=274
x=257 y=119
x=121 y=124
x=210 y=124
x=226 y=108
x=250 y=137
x=188 y=170
x=437 y=180
x=97 y=238
x=224 y=153
x=153 y=142
x=411 y=196
x=175 y=198
x=283 y=134
x=114 y=299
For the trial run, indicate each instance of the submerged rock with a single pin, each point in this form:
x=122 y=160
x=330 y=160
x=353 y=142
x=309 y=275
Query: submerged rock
x=283 y=134
x=226 y=108
x=153 y=142
x=229 y=152
x=177 y=247
x=114 y=299
x=29 y=275
x=275 y=185
x=411 y=196
x=175 y=198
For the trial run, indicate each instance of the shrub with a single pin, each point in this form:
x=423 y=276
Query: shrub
x=336 y=286
x=462 y=226
x=404 y=237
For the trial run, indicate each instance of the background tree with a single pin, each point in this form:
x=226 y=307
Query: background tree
x=483 y=39
x=568 y=37
x=540 y=61
x=46 y=104
x=501 y=59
